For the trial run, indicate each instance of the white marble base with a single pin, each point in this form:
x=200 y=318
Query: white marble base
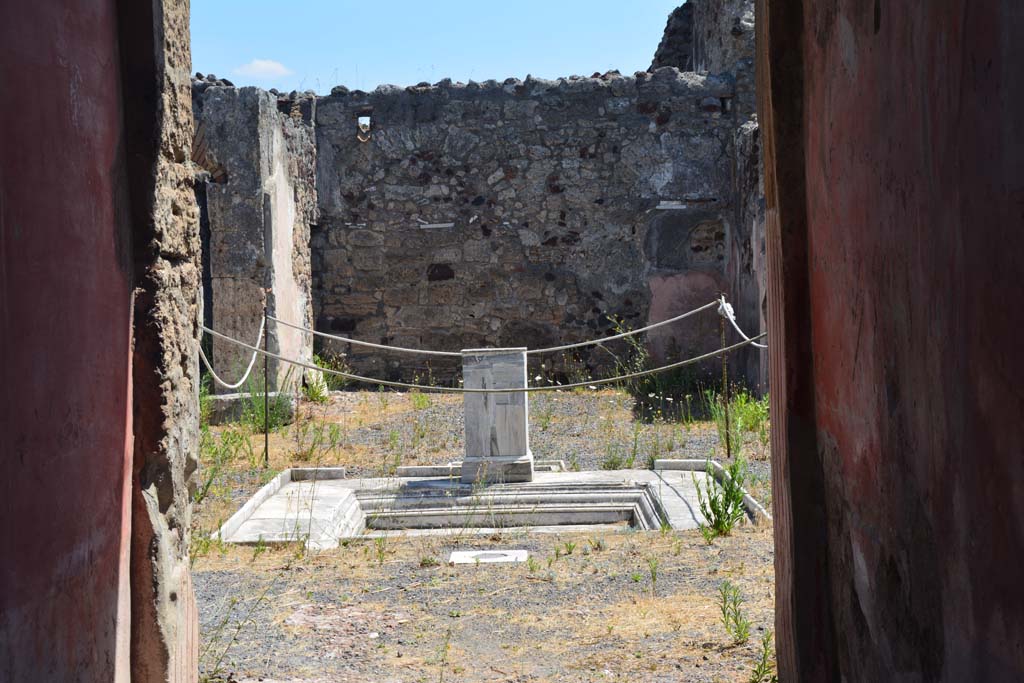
x=497 y=469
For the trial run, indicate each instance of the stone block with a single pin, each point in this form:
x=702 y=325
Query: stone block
x=367 y=259
x=497 y=429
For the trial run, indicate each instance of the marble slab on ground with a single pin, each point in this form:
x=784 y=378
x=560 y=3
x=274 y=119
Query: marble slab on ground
x=324 y=511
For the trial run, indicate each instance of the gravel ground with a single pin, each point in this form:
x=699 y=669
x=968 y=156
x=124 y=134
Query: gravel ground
x=384 y=613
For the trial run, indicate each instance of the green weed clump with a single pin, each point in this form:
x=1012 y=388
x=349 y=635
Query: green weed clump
x=721 y=502
x=420 y=401
x=747 y=415
x=214 y=455
x=205 y=400
x=329 y=360
x=315 y=440
x=730 y=604
x=663 y=395
x=265 y=416
x=764 y=670
x=315 y=390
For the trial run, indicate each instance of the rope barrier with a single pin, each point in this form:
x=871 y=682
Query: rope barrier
x=465 y=390
x=551 y=349
x=252 y=362
x=725 y=310
x=371 y=345
x=628 y=333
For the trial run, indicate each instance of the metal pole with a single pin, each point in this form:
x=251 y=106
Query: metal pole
x=266 y=393
x=725 y=391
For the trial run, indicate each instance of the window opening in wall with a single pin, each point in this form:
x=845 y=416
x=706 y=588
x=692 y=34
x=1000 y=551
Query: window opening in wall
x=363 y=123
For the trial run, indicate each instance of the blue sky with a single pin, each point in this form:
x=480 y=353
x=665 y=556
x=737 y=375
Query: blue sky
x=317 y=44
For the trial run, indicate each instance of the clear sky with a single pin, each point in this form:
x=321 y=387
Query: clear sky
x=317 y=44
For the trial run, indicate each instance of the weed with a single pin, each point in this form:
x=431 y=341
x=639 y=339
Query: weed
x=614 y=458
x=205 y=400
x=428 y=561
x=543 y=412
x=265 y=415
x=419 y=431
x=532 y=565
x=764 y=669
x=214 y=455
x=652 y=568
x=259 y=548
x=636 y=577
x=635 y=451
x=315 y=390
x=336 y=362
x=746 y=415
x=215 y=638
x=380 y=546
x=569 y=548
x=202 y=543
x=721 y=503
x=420 y=401
x=443 y=656
x=730 y=603
x=313 y=441
x=597 y=544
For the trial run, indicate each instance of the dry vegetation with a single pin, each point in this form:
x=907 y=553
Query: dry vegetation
x=626 y=606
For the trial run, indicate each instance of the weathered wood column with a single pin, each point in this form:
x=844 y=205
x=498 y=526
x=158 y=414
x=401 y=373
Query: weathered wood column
x=497 y=425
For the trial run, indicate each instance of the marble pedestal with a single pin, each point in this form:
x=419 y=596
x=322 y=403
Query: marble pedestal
x=497 y=425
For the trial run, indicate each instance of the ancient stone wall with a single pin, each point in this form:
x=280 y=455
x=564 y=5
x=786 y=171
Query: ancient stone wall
x=165 y=375
x=748 y=271
x=259 y=156
x=717 y=36
x=494 y=214
x=523 y=213
x=676 y=47
x=723 y=34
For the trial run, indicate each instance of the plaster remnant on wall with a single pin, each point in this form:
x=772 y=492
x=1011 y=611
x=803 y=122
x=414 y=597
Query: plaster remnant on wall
x=261 y=216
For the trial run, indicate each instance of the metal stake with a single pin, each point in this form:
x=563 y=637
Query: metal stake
x=266 y=394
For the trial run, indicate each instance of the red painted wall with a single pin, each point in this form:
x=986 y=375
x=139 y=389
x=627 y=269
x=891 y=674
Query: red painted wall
x=897 y=268
x=65 y=324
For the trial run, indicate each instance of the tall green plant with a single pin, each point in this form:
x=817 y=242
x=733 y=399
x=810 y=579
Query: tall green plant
x=730 y=603
x=746 y=415
x=265 y=416
x=721 y=502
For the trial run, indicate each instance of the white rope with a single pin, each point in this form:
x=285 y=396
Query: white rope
x=725 y=309
x=531 y=352
x=252 y=362
x=624 y=334
x=464 y=390
x=371 y=345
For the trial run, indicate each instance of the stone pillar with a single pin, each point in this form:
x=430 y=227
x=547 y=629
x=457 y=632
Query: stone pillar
x=497 y=425
x=260 y=202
